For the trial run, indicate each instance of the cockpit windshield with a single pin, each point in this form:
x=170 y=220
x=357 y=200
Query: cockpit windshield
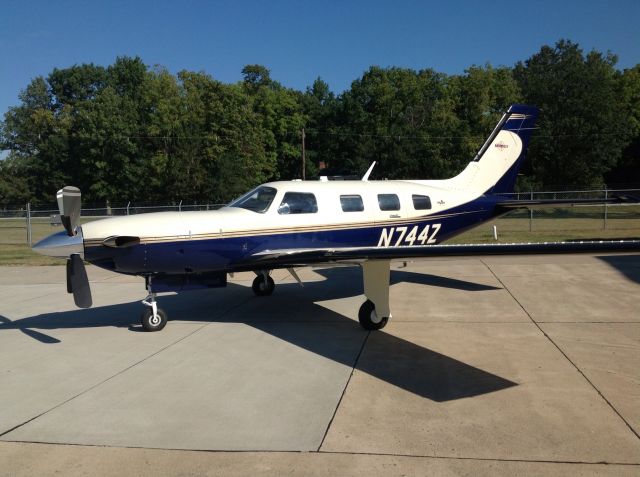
x=257 y=200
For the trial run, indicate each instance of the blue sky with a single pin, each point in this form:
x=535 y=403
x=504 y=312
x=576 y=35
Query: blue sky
x=299 y=40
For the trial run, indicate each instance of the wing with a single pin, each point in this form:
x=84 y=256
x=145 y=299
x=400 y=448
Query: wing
x=307 y=256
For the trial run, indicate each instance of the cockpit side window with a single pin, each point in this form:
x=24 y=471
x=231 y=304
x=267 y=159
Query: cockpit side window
x=257 y=200
x=298 y=203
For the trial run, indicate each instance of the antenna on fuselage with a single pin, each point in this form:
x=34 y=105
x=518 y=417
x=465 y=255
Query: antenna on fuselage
x=366 y=175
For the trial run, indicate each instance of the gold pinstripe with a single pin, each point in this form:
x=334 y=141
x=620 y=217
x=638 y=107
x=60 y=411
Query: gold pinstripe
x=282 y=231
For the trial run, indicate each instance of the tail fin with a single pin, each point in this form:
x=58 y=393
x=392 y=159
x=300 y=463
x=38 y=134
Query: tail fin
x=495 y=168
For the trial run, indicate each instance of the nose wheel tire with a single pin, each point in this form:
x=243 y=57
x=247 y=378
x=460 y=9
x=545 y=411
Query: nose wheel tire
x=368 y=317
x=153 y=323
x=263 y=285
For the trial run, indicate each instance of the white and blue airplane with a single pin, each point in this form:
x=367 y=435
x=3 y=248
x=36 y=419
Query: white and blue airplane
x=300 y=223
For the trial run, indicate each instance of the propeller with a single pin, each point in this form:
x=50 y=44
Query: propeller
x=69 y=199
x=69 y=202
x=77 y=282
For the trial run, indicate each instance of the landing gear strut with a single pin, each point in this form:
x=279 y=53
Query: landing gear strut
x=375 y=312
x=263 y=284
x=152 y=318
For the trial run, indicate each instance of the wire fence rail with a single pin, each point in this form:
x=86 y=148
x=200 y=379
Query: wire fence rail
x=27 y=225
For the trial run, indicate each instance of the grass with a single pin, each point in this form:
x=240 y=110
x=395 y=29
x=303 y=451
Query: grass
x=558 y=224
x=13 y=237
x=23 y=255
x=547 y=225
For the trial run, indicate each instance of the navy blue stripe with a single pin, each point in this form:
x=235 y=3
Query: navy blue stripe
x=236 y=252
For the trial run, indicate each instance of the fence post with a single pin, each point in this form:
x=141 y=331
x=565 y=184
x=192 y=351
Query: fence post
x=606 y=210
x=531 y=215
x=128 y=204
x=29 y=223
x=180 y=207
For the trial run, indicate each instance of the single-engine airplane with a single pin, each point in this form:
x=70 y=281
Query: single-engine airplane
x=299 y=223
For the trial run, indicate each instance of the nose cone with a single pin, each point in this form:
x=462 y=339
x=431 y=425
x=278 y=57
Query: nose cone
x=60 y=245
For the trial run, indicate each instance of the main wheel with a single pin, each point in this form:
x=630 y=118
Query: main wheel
x=151 y=323
x=368 y=317
x=262 y=287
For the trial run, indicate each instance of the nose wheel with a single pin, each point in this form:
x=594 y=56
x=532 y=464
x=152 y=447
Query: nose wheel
x=152 y=318
x=263 y=284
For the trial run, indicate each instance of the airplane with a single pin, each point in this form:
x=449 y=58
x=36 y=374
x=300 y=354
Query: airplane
x=290 y=224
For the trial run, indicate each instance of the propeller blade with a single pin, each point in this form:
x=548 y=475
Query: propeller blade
x=77 y=277
x=69 y=201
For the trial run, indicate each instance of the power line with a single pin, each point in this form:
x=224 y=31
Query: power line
x=296 y=134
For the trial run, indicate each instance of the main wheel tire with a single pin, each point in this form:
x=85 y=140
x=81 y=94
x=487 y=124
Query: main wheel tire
x=368 y=318
x=262 y=287
x=150 y=323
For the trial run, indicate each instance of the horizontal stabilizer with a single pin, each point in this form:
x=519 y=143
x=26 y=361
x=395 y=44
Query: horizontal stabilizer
x=552 y=203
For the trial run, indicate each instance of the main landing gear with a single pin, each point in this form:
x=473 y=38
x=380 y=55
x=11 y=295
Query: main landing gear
x=152 y=318
x=368 y=317
x=375 y=312
x=263 y=284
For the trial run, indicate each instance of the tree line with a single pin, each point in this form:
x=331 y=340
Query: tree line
x=132 y=132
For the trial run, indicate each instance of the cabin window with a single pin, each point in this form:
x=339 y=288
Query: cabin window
x=388 y=202
x=421 y=202
x=298 y=203
x=257 y=200
x=351 y=203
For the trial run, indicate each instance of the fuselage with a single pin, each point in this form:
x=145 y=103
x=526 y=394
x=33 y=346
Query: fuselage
x=286 y=215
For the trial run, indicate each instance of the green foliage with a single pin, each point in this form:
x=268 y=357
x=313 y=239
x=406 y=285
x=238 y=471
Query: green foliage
x=628 y=169
x=585 y=125
x=129 y=132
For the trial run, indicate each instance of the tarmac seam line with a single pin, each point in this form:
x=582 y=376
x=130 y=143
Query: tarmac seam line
x=564 y=354
x=228 y=310
x=372 y=454
x=483 y=459
x=344 y=390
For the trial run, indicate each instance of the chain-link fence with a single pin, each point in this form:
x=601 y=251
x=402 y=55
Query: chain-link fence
x=27 y=225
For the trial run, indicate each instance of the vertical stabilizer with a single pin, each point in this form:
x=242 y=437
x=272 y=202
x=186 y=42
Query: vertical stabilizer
x=495 y=167
x=519 y=120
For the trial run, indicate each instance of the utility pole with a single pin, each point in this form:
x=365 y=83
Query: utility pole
x=303 y=156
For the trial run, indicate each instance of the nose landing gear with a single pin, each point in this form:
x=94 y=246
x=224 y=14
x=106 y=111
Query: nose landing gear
x=152 y=318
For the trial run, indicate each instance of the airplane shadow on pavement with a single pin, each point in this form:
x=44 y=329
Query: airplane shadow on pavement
x=291 y=315
x=628 y=265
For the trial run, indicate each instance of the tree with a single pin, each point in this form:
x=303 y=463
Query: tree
x=627 y=171
x=318 y=106
x=13 y=185
x=128 y=132
x=256 y=76
x=401 y=118
x=36 y=138
x=583 y=117
x=282 y=117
